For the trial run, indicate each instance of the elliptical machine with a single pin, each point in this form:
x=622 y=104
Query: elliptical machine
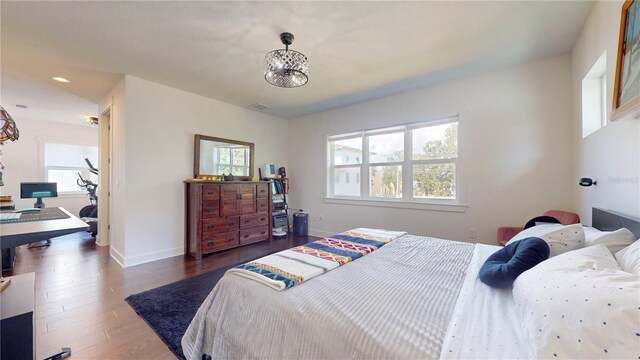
x=89 y=213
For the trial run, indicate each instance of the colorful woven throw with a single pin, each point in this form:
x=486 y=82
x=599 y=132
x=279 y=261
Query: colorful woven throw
x=291 y=267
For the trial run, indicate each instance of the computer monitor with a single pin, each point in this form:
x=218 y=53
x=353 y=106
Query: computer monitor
x=38 y=190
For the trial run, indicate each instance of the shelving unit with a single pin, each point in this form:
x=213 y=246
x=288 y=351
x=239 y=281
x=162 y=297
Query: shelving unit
x=280 y=207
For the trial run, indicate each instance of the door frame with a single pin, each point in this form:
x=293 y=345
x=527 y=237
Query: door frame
x=104 y=195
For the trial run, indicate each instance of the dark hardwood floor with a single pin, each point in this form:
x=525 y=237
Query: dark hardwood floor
x=80 y=295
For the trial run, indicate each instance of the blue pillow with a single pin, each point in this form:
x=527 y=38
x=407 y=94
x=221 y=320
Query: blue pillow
x=503 y=267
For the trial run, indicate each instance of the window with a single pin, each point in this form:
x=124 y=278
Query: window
x=62 y=163
x=594 y=97
x=232 y=160
x=415 y=162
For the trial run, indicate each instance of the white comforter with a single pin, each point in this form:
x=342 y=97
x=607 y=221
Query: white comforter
x=393 y=303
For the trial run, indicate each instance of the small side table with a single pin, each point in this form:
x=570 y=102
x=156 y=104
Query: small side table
x=7 y=255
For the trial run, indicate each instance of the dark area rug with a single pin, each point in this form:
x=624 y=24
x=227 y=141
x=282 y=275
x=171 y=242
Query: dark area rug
x=170 y=308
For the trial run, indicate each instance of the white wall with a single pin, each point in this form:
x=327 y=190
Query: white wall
x=610 y=155
x=515 y=143
x=24 y=162
x=157 y=142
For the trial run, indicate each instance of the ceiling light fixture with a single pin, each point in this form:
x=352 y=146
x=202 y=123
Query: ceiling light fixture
x=91 y=120
x=61 y=79
x=286 y=68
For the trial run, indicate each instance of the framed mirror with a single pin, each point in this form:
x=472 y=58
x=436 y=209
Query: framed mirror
x=216 y=156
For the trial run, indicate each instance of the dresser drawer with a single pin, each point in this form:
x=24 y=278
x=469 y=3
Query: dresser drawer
x=253 y=220
x=263 y=204
x=210 y=209
x=219 y=224
x=210 y=192
x=220 y=241
x=254 y=235
x=263 y=190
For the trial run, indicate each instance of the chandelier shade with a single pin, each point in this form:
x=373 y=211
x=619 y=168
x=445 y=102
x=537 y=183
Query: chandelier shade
x=286 y=68
x=8 y=128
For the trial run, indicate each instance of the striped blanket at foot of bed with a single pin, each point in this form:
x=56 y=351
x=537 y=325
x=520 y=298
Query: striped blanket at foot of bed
x=291 y=267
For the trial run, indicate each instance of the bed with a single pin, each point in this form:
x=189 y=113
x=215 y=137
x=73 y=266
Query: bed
x=415 y=298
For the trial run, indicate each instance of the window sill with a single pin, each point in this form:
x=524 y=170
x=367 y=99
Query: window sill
x=415 y=205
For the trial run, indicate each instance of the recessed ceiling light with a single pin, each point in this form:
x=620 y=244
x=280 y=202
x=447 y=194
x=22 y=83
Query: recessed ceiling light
x=61 y=79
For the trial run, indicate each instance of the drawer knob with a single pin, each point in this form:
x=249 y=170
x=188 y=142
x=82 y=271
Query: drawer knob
x=210 y=243
x=262 y=232
x=210 y=227
x=261 y=219
x=246 y=221
x=210 y=210
x=232 y=224
x=246 y=236
x=210 y=193
x=230 y=239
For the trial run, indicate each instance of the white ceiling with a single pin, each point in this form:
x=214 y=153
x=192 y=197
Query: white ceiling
x=357 y=50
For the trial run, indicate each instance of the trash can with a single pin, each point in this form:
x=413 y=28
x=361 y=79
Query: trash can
x=300 y=223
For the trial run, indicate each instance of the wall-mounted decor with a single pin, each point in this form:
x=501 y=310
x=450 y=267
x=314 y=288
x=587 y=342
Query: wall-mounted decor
x=626 y=91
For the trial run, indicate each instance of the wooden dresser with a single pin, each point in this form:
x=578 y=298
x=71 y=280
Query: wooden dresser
x=224 y=215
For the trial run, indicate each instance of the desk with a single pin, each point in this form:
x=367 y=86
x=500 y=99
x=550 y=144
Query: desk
x=17 y=335
x=22 y=233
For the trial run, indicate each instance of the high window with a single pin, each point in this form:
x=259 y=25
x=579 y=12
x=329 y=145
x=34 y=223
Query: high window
x=62 y=163
x=594 y=97
x=414 y=162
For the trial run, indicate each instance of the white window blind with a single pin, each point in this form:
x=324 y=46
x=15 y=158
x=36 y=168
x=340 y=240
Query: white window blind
x=62 y=162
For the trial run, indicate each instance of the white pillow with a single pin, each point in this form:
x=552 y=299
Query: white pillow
x=629 y=258
x=614 y=240
x=580 y=305
x=560 y=238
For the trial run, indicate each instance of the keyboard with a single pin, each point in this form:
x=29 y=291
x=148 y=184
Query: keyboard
x=9 y=216
x=28 y=210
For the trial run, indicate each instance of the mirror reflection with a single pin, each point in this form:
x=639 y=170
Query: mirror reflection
x=216 y=156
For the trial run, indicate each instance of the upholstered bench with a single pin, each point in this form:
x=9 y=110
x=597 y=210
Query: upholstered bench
x=505 y=233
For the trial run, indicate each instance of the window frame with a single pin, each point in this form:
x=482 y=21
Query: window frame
x=593 y=97
x=407 y=200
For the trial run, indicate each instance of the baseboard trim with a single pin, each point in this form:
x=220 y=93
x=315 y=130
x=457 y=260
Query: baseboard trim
x=115 y=255
x=152 y=256
x=99 y=243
